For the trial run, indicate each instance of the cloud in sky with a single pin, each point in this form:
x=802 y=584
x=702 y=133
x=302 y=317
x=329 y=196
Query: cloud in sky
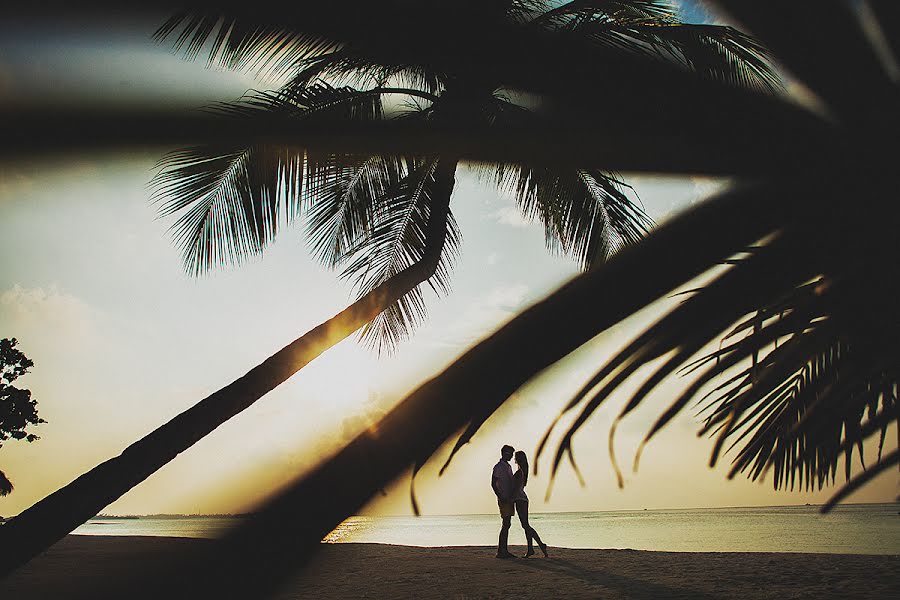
x=507 y=296
x=30 y=312
x=500 y=305
x=512 y=216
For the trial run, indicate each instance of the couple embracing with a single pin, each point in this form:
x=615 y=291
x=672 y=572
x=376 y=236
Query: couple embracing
x=511 y=498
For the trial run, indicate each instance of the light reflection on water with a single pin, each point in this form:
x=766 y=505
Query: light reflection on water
x=849 y=529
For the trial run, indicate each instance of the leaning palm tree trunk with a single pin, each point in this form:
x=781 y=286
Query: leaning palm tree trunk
x=48 y=521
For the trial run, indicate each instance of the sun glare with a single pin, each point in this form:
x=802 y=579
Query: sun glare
x=344 y=379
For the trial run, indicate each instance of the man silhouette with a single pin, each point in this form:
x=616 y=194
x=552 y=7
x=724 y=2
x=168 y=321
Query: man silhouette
x=502 y=484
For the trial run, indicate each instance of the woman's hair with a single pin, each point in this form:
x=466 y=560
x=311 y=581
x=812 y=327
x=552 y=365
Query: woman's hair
x=522 y=461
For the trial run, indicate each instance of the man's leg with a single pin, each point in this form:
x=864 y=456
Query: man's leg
x=502 y=546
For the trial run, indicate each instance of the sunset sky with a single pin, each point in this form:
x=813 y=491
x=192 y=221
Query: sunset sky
x=123 y=340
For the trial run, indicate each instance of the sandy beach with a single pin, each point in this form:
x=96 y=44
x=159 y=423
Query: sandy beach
x=465 y=572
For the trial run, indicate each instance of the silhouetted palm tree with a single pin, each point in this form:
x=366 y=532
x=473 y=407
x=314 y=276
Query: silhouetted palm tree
x=385 y=217
x=368 y=213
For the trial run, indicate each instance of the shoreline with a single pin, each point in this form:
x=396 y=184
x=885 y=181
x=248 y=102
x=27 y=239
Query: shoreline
x=112 y=537
x=368 y=570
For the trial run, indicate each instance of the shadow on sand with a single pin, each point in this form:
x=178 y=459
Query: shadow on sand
x=634 y=588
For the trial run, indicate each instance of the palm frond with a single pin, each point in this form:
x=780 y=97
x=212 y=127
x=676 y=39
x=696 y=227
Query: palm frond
x=288 y=52
x=320 y=101
x=343 y=195
x=804 y=420
x=232 y=199
x=571 y=15
x=652 y=28
x=352 y=67
x=804 y=364
x=344 y=190
x=586 y=214
x=715 y=52
x=239 y=43
x=525 y=11
x=831 y=53
x=395 y=240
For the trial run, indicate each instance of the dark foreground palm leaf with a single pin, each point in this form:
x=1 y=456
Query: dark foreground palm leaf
x=801 y=381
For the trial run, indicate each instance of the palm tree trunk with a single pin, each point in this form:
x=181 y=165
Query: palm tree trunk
x=49 y=520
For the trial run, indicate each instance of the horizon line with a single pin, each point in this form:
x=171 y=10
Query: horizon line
x=250 y=513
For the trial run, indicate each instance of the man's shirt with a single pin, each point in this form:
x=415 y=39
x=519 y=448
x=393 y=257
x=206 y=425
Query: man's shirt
x=504 y=478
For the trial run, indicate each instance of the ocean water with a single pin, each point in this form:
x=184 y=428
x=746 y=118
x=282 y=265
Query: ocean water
x=848 y=529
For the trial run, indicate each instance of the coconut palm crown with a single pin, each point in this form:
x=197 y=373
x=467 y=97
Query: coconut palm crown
x=369 y=213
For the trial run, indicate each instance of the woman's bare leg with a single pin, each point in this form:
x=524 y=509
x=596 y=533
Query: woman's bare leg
x=522 y=509
x=530 y=534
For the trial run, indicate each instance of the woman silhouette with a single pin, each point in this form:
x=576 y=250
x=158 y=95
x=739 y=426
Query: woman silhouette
x=520 y=479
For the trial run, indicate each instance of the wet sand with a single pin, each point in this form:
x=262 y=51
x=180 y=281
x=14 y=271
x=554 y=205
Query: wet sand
x=468 y=572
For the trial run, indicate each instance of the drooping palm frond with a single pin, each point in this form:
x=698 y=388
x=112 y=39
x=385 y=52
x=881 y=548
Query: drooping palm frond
x=342 y=198
x=397 y=239
x=802 y=427
x=286 y=51
x=571 y=15
x=237 y=43
x=825 y=360
x=525 y=11
x=232 y=199
x=856 y=83
x=585 y=214
x=716 y=52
